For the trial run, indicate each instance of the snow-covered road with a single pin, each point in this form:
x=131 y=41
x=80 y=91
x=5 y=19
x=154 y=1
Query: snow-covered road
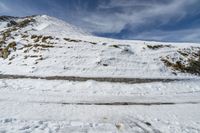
x=36 y=105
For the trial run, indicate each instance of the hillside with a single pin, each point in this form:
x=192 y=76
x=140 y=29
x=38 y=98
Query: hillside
x=55 y=77
x=45 y=46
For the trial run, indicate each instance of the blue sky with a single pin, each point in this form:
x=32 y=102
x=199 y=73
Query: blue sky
x=162 y=20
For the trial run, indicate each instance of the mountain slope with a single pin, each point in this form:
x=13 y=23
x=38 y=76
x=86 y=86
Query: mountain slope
x=46 y=46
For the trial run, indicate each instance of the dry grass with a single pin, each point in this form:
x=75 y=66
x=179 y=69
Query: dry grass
x=25 y=22
x=43 y=46
x=71 y=40
x=5 y=52
x=192 y=66
x=45 y=38
x=155 y=47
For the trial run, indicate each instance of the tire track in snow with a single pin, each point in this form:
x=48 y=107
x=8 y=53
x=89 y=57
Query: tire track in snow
x=105 y=103
x=99 y=79
x=120 y=103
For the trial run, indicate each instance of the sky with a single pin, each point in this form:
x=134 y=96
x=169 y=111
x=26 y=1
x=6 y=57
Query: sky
x=160 y=20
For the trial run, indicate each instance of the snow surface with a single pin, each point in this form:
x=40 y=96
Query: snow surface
x=52 y=26
x=38 y=105
x=2 y=25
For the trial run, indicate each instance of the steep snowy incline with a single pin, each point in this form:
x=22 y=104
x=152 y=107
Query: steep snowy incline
x=46 y=25
x=46 y=46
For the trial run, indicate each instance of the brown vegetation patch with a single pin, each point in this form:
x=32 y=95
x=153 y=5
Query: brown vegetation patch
x=191 y=64
x=155 y=47
x=5 y=52
x=71 y=40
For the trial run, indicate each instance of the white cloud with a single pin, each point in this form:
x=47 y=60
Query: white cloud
x=135 y=13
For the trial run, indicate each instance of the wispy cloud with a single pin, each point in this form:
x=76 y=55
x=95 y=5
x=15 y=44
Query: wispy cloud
x=149 y=16
x=115 y=15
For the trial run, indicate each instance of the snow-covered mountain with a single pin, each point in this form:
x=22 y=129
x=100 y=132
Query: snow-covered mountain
x=57 y=78
x=43 y=45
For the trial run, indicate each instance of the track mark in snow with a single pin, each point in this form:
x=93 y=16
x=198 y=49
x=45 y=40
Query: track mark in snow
x=107 y=104
x=144 y=126
x=132 y=125
x=99 y=79
x=130 y=103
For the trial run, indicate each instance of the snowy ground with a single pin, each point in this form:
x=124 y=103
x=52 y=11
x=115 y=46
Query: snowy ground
x=62 y=106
